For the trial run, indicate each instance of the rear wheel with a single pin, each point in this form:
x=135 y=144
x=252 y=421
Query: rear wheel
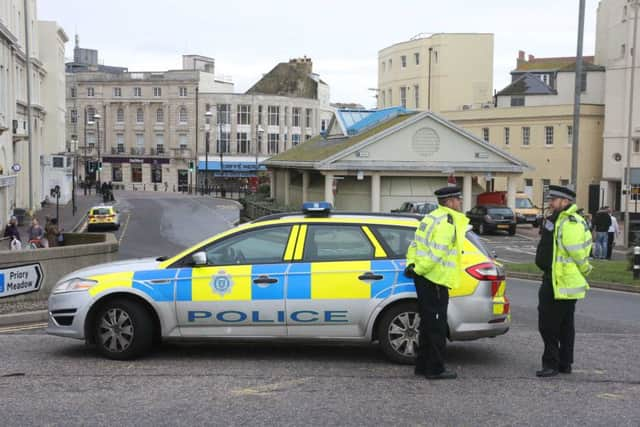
x=123 y=330
x=398 y=333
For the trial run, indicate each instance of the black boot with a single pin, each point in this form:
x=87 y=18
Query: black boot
x=444 y=375
x=546 y=372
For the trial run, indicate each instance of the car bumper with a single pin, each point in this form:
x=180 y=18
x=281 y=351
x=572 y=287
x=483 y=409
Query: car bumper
x=67 y=314
x=478 y=315
x=103 y=224
x=500 y=227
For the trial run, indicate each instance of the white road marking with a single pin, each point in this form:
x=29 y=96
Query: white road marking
x=22 y=328
x=124 y=229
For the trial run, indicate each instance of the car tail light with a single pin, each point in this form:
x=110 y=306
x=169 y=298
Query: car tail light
x=488 y=271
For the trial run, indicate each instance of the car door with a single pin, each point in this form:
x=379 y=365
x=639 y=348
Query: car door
x=330 y=282
x=240 y=291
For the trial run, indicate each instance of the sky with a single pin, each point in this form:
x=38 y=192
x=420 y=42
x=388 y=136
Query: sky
x=248 y=38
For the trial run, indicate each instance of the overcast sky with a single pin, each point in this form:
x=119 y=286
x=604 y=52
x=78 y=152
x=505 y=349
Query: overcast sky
x=247 y=38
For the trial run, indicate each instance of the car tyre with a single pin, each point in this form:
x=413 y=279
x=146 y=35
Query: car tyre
x=512 y=230
x=397 y=332
x=123 y=330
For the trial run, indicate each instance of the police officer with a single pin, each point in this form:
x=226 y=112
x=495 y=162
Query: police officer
x=563 y=256
x=434 y=263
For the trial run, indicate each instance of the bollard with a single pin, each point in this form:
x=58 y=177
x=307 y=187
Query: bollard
x=636 y=262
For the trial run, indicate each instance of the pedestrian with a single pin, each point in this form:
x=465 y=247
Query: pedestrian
x=434 y=263
x=614 y=233
x=601 y=224
x=110 y=187
x=52 y=232
x=11 y=231
x=36 y=234
x=563 y=257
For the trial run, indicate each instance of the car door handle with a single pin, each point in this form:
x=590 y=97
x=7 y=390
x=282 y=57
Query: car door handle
x=264 y=280
x=370 y=276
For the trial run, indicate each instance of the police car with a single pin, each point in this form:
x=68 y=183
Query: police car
x=312 y=275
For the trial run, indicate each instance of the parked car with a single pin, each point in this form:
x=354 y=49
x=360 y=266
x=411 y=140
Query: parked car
x=490 y=218
x=526 y=211
x=421 y=208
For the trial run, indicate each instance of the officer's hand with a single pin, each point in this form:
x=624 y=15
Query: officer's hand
x=408 y=271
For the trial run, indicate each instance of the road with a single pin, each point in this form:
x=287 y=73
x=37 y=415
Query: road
x=55 y=381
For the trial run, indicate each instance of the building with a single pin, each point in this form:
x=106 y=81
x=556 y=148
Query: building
x=147 y=138
x=437 y=72
x=533 y=121
x=614 y=49
x=23 y=183
x=374 y=160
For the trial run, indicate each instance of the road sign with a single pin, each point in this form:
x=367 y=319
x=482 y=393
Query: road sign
x=21 y=279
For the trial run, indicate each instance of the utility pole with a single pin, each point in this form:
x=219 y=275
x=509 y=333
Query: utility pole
x=576 y=100
x=27 y=45
x=627 y=179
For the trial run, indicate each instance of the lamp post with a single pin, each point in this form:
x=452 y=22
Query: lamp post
x=260 y=132
x=207 y=128
x=74 y=152
x=96 y=118
x=222 y=147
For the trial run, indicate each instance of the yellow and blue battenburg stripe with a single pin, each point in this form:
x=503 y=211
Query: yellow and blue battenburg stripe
x=304 y=281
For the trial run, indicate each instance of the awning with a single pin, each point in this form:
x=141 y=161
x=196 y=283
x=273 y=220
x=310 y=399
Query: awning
x=230 y=166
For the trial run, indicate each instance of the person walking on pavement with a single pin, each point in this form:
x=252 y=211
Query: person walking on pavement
x=563 y=256
x=601 y=223
x=52 y=232
x=36 y=234
x=434 y=263
x=11 y=231
x=614 y=233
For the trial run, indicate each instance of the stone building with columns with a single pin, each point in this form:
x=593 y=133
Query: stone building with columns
x=373 y=160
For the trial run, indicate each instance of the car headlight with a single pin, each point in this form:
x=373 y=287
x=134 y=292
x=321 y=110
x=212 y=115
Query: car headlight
x=74 y=285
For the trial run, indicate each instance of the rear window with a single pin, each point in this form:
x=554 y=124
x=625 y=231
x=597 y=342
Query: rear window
x=475 y=241
x=101 y=211
x=523 y=204
x=500 y=211
x=396 y=239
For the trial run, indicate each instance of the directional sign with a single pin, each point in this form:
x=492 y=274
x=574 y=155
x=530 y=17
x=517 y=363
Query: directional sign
x=21 y=279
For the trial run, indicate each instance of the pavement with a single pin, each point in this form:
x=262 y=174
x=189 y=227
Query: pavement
x=57 y=381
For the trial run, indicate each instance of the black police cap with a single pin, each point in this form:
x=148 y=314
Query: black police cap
x=558 y=191
x=448 y=192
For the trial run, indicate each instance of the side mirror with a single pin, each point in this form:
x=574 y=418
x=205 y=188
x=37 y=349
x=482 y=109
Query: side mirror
x=199 y=258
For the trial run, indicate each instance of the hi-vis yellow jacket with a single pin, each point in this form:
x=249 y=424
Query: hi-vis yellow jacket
x=571 y=249
x=436 y=250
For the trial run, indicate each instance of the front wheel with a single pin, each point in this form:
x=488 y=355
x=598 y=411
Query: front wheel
x=123 y=330
x=398 y=333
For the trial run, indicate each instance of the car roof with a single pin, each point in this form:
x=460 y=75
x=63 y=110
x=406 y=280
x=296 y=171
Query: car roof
x=493 y=206
x=337 y=215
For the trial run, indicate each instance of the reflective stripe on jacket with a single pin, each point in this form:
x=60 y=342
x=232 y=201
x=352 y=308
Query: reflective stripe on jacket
x=571 y=248
x=436 y=250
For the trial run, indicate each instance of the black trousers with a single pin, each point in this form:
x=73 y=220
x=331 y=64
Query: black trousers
x=433 y=301
x=611 y=238
x=556 y=325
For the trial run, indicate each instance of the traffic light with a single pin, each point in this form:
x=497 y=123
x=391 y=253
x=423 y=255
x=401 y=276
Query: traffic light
x=190 y=165
x=99 y=166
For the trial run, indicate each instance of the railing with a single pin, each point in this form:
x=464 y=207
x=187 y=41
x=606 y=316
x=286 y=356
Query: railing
x=137 y=151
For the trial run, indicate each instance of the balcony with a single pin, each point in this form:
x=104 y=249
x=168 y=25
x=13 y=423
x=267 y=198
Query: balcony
x=182 y=153
x=158 y=151
x=137 y=151
x=118 y=150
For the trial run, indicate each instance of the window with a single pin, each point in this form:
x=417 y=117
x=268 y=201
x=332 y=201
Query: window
x=517 y=101
x=139 y=115
x=569 y=134
x=74 y=92
x=136 y=172
x=182 y=115
x=545 y=184
x=156 y=174
x=416 y=94
x=244 y=114
x=507 y=131
x=74 y=116
x=116 y=173
x=182 y=91
x=262 y=246
x=286 y=116
x=159 y=115
x=296 y=116
x=223 y=114
x=636 y=145
x=403 y=61
x=564 y=182
x=183 y=140
x=273 y=141
x=91 y=112
x=526 y=133
x=336 y=243
x=403 y=97
x=90 y=91
x=117 y=91
x=223 y=142
x=243 y=144
x=273 y=115
x=140 y=140
x=583 y=81
x=159 y=143
x=390 y=64
x=91 y=140
x=396 y=239
x=485 y=134
x=137 y=91
x=157 y=91
x=57 y=162
x=120 y=143
x=548 y=135
x=286 y=139
x=295 y=139
x=528 y=182
x=309 y=112
x=416 y=56
x=120 y=115
x=383 y=99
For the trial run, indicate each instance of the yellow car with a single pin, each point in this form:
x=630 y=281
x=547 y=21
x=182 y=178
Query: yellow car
x=103 y=217
x=311 y=275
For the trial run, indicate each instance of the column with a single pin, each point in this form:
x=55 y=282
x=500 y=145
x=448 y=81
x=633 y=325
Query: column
x=511 y=191
x=272 y=184
x=305 y=186
x=328 y=188
x=287 y=183
x=375 y=192
x=467 y=193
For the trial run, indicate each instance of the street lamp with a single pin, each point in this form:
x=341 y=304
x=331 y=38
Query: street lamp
x=207 y=128
x=97 y=118
x=74 y=149
x=222 y=147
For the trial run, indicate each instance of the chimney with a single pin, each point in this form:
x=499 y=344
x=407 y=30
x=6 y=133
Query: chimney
x=531 y=58
x=521 y=55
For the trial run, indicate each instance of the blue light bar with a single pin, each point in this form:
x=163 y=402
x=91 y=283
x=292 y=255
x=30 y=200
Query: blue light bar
x=316 y=208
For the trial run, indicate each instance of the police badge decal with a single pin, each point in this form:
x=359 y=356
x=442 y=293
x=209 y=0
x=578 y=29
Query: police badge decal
x=221 y=283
